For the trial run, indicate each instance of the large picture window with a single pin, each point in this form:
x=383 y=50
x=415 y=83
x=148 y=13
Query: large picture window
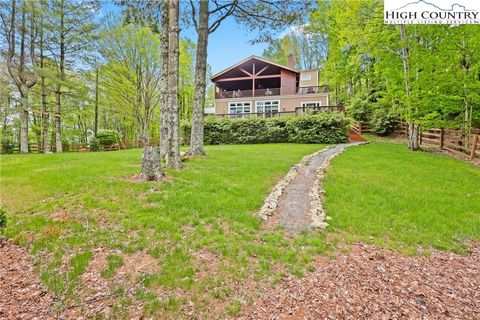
x=268 y=107
x=239 y=108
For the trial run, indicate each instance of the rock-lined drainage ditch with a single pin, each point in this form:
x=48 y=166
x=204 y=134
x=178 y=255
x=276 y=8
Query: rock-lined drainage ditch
x=295 y=202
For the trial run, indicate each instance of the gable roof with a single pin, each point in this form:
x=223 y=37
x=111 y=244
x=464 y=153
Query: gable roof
x=251 y=58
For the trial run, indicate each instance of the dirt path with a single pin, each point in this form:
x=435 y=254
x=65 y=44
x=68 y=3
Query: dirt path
x=22 y=296
x=294 y=207
x=374 y=283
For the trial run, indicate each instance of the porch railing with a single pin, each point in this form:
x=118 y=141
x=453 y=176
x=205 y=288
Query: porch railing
x=298 y=111
x=269 y=92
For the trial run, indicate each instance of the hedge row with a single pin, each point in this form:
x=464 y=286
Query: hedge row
x=321 y=128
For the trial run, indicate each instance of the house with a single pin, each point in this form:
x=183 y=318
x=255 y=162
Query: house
x=257 y=86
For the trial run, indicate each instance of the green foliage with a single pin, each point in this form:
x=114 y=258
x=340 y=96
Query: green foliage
x=94 y=144
x=7 y=146
x=3 y=218
x=108 y=137
x=383 y=122
x=359 y=108
x=321 y=128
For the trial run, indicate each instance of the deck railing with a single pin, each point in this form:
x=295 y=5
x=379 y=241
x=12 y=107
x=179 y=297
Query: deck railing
x=298 y=111
x=269 y=92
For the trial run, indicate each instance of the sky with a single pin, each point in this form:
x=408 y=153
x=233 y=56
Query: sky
x=226 y=46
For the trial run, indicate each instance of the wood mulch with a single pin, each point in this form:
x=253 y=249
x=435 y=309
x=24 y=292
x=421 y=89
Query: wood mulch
x=22 y=295
x=374 y=283
x=366 y=283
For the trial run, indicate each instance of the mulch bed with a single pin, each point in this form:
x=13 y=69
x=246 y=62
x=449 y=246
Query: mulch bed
x=22 y=296
x=366 y=283
x=374 y=283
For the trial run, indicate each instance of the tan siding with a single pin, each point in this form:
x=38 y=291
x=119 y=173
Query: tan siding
x=312 y=74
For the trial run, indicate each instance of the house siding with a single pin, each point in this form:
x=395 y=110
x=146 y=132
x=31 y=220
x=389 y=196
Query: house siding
x=308 y=78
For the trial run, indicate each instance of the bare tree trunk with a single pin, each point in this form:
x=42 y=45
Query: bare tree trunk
x=95 y=127
x=164 y=103
x=58 y=118
x=173 y=154
x=45 y=115
x=413 y=129
x=197 y=134
x=151 y=168
x=24 y=122
x=413 y=136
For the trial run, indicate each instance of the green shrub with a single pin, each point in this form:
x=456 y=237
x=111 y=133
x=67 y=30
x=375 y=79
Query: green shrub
x=3 y=218
x=7 y=146
x=321 y=128
x=360 y=108
x=94 y=144
x=108 y=137
x=383 y=122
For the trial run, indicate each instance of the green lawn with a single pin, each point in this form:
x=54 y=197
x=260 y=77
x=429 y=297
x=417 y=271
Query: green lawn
x=65 y=206
x=383 y=191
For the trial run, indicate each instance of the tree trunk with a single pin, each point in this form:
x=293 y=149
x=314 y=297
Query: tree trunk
x=58 y=122
x=58 y=119
x=413 y=129
x=95 y=127
x=164 y=103
x=24 y=123
x=151 y=168
x=45 y=116
x=173 y=154
x=413 y=136
x=196 y=138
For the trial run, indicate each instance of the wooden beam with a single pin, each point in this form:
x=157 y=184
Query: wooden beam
x=263 y=69
x=245 y=71
x=234 y=79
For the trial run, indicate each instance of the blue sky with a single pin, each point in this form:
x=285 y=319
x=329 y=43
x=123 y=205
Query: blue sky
x=228 y=45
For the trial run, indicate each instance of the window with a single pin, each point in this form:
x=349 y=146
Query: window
x=239 y=108
x=306 y=77
x=313 y=104
x=269 y=107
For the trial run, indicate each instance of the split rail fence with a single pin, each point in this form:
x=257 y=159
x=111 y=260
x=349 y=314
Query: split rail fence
x=457 y=142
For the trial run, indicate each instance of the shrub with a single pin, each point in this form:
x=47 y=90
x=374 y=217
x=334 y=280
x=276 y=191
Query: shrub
x=7 y=146
x=321 y=128
x=360 y=108
x=383 y=122
x=3 y=218
x=94 y=144
x=108 y=137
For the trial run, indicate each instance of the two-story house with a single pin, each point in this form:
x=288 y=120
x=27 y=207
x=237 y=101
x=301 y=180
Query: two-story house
x=257 y=86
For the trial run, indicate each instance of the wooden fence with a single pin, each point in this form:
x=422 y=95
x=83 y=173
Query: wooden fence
x=455 y=141
x=360 y=127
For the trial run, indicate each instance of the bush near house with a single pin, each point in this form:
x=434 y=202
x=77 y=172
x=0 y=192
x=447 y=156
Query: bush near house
x=321 y=128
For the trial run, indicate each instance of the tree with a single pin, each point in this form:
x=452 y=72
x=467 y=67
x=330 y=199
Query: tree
x=173 y=153
x=132 y=73
x=20 y=65
x=72 y=27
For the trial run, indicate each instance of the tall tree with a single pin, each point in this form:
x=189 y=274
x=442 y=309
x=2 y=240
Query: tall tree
x=20 y=64
x=72 y=26
x=173 y=154
x=164 y=77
